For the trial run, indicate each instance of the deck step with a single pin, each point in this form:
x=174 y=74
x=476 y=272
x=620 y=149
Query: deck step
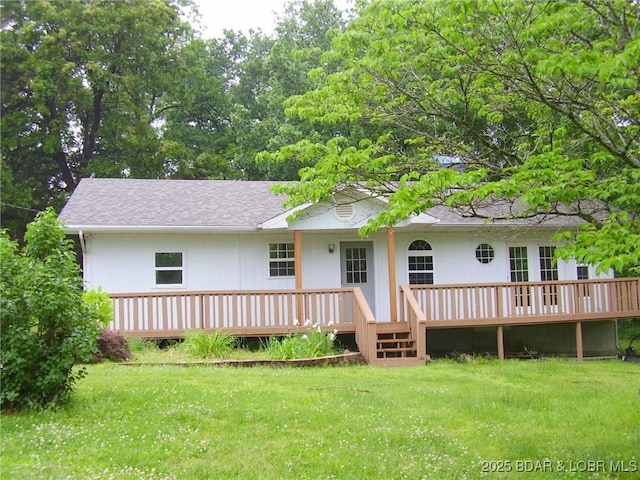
x=395 y=343
x=397 y=349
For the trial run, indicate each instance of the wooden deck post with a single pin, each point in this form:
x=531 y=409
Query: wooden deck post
x=579 y=349
x=297 y=257
x=393 y=287
x=500 y=343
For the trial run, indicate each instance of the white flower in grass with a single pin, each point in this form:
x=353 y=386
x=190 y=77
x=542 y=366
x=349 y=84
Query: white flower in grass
x=307 y=323
x=318 y=328
x=304 y=336
x=330 y=324
x=295 y=322
x=332 y=336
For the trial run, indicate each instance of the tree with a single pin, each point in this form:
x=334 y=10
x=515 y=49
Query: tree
x=46 y=325
x=536 y=102
x=253 y=75
x=85 y=84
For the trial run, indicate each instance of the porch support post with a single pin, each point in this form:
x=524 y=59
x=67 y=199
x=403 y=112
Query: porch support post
x=500 y=339
x=579 y=349
x=297 y=257
x=391 y=261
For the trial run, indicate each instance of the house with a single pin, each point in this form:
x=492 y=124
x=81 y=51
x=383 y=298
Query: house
x=183 y=254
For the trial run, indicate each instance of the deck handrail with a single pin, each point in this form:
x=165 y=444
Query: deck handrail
x=364 y=322
x=255 y=312
x=412 y=313
x=476 y=304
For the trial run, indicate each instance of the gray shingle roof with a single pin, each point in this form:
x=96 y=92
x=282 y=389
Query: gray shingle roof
x=134 y=204
x=171 y=203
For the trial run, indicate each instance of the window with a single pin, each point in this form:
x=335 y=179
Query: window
x=420 y=263
x=356 y=264
x=281 y=260
x=484 y=253
x=518 y=264
x=168 y=267
x=519 y=271
x=583 y=272
x=548 y=273
x=548 y=269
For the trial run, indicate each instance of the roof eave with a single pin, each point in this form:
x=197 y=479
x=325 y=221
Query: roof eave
x=75 y=229
x=281 y=222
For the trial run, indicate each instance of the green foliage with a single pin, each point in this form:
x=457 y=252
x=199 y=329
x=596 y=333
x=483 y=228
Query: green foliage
x=139 y=345
x=117 y=89
x=538 y=101
x=216 y=345
x=99 y=304
x=46 y=326
x=627 y=329
x=84 y=84
x=314 y=343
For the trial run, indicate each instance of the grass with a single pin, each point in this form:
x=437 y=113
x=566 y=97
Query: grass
x=442 y=420
x=222 y=346
x=216 y=345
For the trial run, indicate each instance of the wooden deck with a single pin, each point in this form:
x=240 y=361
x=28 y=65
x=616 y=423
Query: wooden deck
x=525 y=303
x=421 y=307
x=241 y=313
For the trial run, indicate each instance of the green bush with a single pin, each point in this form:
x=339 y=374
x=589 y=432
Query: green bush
x=314 y=343
x=202 y=345
x=100 y=305
x=46 y=326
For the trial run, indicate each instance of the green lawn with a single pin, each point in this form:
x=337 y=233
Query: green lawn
x=444 y=420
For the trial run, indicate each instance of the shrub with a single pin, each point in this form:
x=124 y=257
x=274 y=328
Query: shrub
x=113 y=346
x=46 y=326
x=137 y=344
x=99 y=304
x=216 y=345
x=314 y=343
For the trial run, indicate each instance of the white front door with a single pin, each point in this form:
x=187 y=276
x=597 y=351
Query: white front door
x=356 y=266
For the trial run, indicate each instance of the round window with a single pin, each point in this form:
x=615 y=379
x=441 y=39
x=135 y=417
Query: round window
x=484 y=253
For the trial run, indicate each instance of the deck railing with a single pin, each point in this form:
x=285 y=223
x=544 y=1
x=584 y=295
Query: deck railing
x=365 y=325
x=167 y=314
x=527 y=302
x=412 y=313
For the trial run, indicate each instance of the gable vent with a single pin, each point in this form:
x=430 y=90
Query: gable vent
x=344 y=211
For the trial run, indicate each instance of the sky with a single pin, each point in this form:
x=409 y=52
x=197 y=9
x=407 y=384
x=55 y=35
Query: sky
x=218 y=15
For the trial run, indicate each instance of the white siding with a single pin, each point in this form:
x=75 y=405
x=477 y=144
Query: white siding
x=454 y=258
x=125 y=263
x=323 y=217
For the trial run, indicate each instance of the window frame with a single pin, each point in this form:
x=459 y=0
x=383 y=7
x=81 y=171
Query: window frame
x=172 y=268
x=548 y=273
x=548 y=267
x=581 y=270
x=290 y=269
x=426 y=253
x=485 y=253
x=519 y=264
